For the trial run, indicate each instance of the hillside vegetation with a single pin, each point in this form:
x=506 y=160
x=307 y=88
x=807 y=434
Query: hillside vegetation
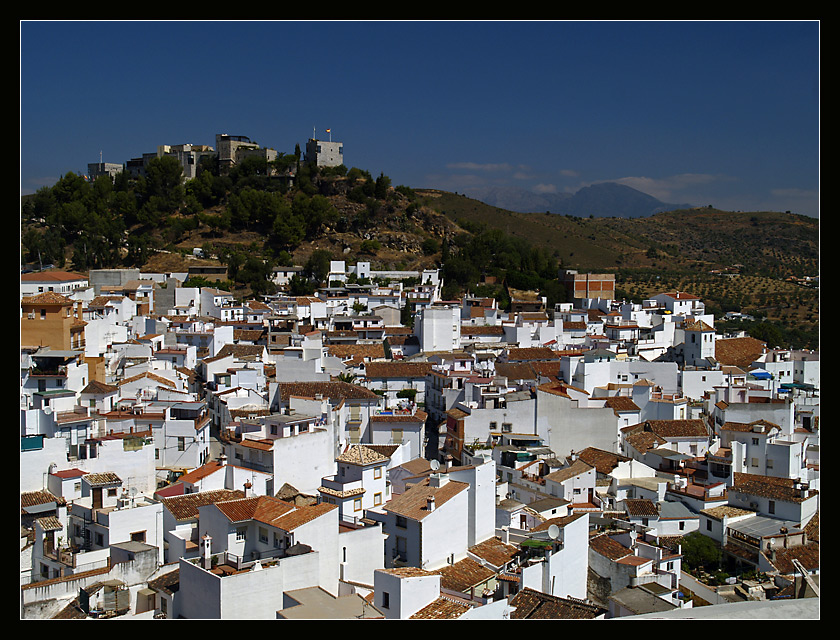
x=256 y=217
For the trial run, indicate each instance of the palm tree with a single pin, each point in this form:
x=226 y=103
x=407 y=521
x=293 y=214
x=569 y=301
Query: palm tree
x=346 y=376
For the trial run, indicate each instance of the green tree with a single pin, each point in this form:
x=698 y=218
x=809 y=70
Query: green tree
x=700 y=551
x=383 y=183
x=430 y=246
x=161 y=191
x=317 y=266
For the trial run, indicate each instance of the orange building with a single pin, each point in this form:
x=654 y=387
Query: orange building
x=51 y=320
x=588 y=285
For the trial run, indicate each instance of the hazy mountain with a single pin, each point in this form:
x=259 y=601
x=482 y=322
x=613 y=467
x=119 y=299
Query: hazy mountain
x=606 y=199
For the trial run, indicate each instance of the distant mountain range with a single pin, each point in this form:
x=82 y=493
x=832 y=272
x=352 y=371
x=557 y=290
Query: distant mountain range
x=606 y=199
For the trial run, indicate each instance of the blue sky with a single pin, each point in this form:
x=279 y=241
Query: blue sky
x=720 y=113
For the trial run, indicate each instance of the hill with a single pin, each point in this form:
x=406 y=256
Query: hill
x=606 y=199
x=249 y=221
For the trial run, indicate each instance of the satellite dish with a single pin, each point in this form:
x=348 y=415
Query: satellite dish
x=435 y=465
x=554 y=532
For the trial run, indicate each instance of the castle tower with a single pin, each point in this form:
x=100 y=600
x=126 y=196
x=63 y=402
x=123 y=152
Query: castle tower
x=324 y=153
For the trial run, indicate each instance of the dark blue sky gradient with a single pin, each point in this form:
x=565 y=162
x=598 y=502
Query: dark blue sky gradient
x=720 y=113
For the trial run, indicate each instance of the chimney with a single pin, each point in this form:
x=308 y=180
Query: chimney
x=247 y=487
x=430 y=503
x=206 y=562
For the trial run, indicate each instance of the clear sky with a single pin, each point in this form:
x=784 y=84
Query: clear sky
x=706 y=113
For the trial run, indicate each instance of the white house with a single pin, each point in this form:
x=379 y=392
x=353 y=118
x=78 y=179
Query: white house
x=360 y=483
x=782 y=498
x=558 y=566
x=427 y=525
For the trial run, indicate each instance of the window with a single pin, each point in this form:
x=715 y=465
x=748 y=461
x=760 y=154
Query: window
x=401 y=522
x=377 y=499
x=755 y=442
x=100 y=540
x=377 y=473
x=112 y=493
x=708 y=525
x=386 y=600
x=241 y=533
x=263 y=535
x=682 y=525
x=771 y=506
x=769 y=464
x=357 y=504
x=754 y=462
x=138 y=536
x=181 y=444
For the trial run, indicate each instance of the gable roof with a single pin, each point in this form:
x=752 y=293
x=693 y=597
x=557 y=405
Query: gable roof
x=535 y=605
x=784 y=489
x=185 y=507
x=578 y=467
x=494 y=551
x=464 y=575
x=413 y=503
x=397 y=369
x=334 y=390
x=272 y=511
x=603 y=461
x=51 y=276
x=640 y=508
x=738 y=352
x=692 y=428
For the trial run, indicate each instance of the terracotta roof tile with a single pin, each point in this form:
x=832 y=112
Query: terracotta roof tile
x=272 y=511
x=808 y=554
x=334 y=390
x=641 y=508
x=413 y=503
x=739 y=352
x=442 y=608
x=494 y=551
x=604 y=545
x=603 y=461
x=361 y=455
x=397 y=369
x=784 y=489
x=48 y=297
x=463 y=575
x=185 y=507
x=521 y=354
x=578 y=467
x=534 y=605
